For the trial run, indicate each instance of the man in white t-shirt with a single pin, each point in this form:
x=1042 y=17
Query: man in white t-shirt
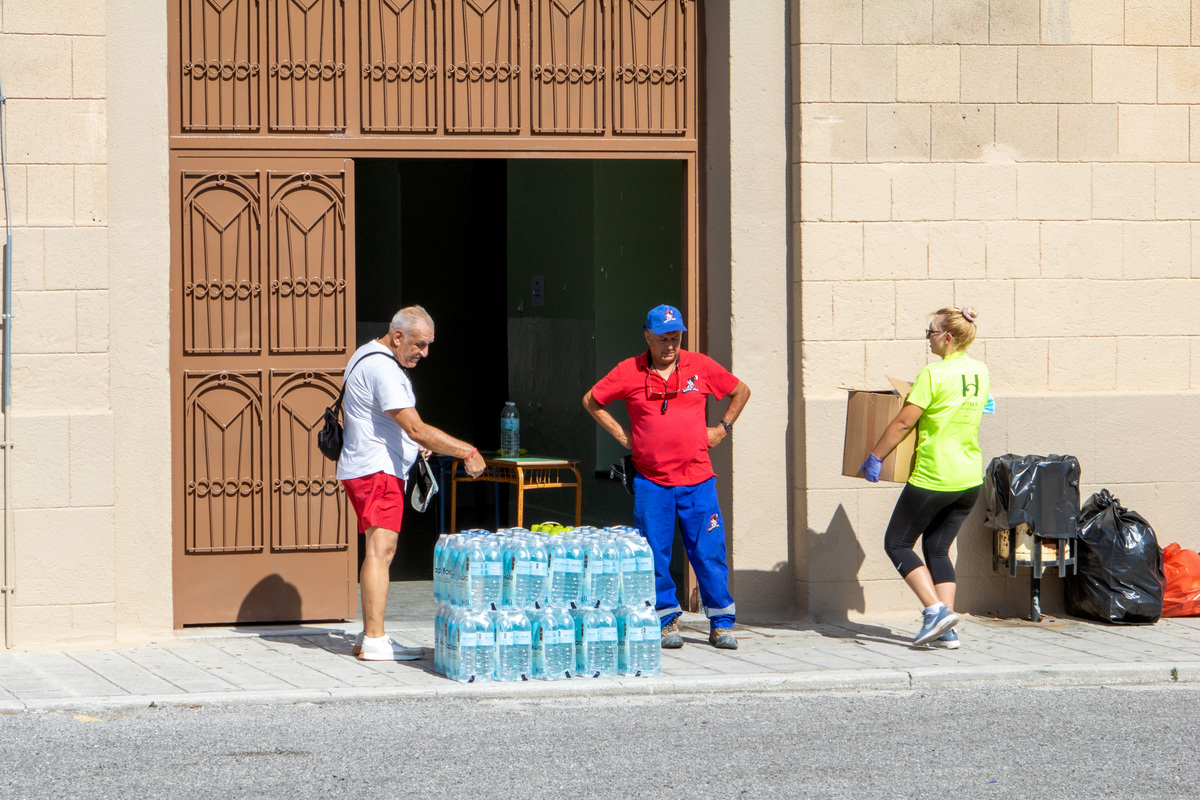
x=383 y=438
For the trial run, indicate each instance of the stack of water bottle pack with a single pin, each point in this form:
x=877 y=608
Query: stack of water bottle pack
x=545 y=604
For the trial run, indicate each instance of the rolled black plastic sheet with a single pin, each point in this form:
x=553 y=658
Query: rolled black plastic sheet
x=1120 y=565
x=1039 y=491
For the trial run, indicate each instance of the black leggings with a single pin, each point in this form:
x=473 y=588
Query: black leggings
x=936 y=515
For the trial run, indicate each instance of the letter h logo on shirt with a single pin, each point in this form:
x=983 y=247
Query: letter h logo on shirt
x=970 y=389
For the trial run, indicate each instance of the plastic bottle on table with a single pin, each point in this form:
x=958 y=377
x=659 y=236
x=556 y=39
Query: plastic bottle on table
x=510 y=431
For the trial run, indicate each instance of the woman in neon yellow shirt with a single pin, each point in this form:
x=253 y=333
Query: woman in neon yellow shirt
x=946 y=404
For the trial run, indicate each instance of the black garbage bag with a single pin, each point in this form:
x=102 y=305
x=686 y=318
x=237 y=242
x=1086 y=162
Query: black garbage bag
x=1120 y=574
x=1039 y=491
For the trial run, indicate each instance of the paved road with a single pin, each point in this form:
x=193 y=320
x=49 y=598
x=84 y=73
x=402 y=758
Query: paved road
x=978 y=742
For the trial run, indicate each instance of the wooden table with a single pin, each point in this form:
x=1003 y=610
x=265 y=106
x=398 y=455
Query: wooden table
x=525 y=472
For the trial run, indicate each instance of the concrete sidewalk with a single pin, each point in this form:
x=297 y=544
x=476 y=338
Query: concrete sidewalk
x=312 y=663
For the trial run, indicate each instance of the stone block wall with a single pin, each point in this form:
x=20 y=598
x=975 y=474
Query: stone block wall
x=1037 y=159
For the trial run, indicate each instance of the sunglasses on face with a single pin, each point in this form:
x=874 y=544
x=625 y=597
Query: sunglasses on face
x=932 y=332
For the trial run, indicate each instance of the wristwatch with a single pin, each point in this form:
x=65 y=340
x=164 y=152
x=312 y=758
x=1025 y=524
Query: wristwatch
x=728 y=426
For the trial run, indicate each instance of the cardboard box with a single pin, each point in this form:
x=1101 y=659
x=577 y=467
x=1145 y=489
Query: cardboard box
x=868 y=412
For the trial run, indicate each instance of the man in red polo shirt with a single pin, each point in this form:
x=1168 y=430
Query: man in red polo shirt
x=665 y=391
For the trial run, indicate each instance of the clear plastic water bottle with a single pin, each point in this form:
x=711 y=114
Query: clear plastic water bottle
x=650 y=661
x=560 y=656
x=518 y=570
x=539 y=571
x=629 y=641
x=556 y=578
x=492 y=581
x=510 y=431
x=604 y=657
x=637 y=570
x=513 y=645
x=540 y=630
x=439 y=551
x=485 y=644
x=608 y=582
x=572 y=569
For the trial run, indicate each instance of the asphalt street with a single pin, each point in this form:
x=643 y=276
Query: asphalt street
x=1131 y=742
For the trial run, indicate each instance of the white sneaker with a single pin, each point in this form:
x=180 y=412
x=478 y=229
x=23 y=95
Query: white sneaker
x=384 y=649
x=947 y=641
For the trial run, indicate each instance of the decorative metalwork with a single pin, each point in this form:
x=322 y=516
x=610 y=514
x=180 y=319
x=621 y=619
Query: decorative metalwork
x=219 y=85
x=223 y=469
x=307 y=312
x=482 y=66
x=400 y=76
x=650 y=75
x=569 y=77
x=307 y=65
x=222 y=304
x=309 y=509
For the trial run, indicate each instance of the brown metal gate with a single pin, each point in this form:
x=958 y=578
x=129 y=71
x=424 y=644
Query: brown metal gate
x=270 y=99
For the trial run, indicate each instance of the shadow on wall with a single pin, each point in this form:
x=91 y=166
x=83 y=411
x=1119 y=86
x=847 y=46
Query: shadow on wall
x=835 y=557
x=271 y=598
x=765 y=596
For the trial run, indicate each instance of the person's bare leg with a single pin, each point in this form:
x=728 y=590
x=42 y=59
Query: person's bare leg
x=921 y=582
x=378 y=549
x=945 y=593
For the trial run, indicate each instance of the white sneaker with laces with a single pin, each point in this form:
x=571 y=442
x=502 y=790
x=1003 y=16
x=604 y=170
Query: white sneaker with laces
x=384 y=649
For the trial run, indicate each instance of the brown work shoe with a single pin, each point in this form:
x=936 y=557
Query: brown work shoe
x=671 y=639
x=722 y=639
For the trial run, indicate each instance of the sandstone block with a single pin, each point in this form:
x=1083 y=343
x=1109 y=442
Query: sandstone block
x=1081 y=249
x=1124 y=74
x=861 y=192
x=816 y=191
x=897 y=21
x=833 y=132
x=1016 y=365
x=964 y=22
x=815 y=301
x=1014 y=249
x=77 y=258
x=53 y=383
x=863 y=74
x=814 y=82
x=46 y=320
x=40 y=458
x=831 y=251
x=1161 y=22
x=1158 y=250
x=828 y=365
x=91 y=321
x=962 y=132
x=84 y=17
x=922 y=192
x=1083 y=364
x=985 y=191
x=957 y=249
x=18 y=192
x=1091 y=22
x=87 y=67
x=898 y=132
x=1194 y=148
x=1028 y=131
x=1054 y=191
x=57 y=131
x=50 y=194
x=1152 y=133
x=1153 y=363
x=91 y=459
x=1087 y=132
x=896 y=251
x=836 y=21
x=864 y=310
x=914 y=301
x=905 y=357
x=927 y=74
x=988 y=74
x=91 y=195
x=36 y=67
x=29 y=259
x=1014 y=21
x=1178 y=75
x=1177 y=191
x=1123 y=191
x=1054 y=74
x=994 y=300
x=58 y=551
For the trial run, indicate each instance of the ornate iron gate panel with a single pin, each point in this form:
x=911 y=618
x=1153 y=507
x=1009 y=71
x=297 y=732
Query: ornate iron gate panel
x=219 y=48
x=399 y=66
x=307 y=44
x=650 y=66
x=483 y=63
x=568 y=73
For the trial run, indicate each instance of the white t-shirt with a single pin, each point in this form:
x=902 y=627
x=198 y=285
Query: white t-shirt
x=373 y=441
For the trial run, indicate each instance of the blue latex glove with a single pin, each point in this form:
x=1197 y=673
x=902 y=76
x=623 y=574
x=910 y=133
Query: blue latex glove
x=872 y=466
x=990 y=406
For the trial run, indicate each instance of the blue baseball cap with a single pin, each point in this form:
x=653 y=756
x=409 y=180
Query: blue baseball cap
x=664 y=319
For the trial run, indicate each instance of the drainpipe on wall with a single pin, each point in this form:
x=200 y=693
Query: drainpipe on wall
x=9 y=587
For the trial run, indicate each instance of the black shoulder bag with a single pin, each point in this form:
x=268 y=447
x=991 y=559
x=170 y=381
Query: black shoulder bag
x=329 y=438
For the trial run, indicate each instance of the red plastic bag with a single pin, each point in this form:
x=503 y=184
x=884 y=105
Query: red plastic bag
x=1182 y=568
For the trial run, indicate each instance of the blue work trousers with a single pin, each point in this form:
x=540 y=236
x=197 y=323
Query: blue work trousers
x=655 y=509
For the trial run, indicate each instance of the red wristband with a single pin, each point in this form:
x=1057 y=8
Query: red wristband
x=473 y=452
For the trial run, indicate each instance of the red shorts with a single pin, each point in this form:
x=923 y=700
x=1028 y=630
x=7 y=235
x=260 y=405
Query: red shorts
x=378 y=500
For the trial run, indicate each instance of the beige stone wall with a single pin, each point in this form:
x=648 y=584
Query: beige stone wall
x=1040 y=161
x=55 y=67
